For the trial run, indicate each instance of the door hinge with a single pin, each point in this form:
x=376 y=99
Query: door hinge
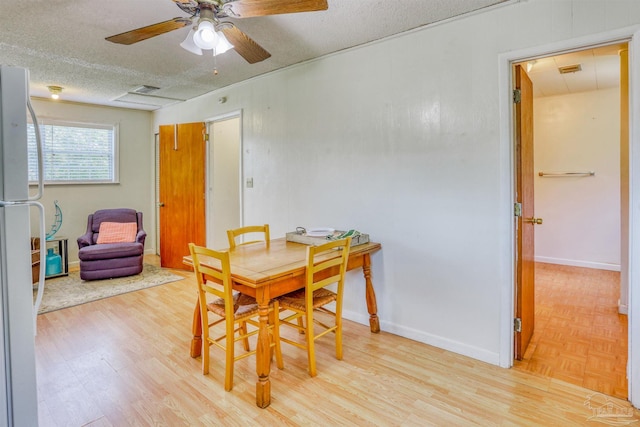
x=517 y=209
x=517 y=324
x=517 y=96
x=206 y=137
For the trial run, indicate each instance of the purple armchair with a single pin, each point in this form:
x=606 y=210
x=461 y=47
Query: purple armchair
x=108 y=260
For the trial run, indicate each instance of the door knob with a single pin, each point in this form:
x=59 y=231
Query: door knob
x=161 y=205
x=533 y=220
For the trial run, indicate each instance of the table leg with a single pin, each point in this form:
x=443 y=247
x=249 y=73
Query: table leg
x=196 y=328
x=263 y=357
x=372 y=305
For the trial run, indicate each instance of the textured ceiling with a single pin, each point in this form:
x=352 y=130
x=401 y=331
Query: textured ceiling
x=600 y=69
x=62 y=42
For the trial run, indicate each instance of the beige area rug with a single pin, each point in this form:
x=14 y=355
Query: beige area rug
x=67 y=291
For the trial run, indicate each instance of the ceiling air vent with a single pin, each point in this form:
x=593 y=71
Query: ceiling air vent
x=570 y=69
x=145 y=89
x=145 y=94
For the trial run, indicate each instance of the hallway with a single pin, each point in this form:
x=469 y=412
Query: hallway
x=579 y=336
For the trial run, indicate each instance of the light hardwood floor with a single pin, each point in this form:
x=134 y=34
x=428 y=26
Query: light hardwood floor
x=579 y=336
x=124 y=361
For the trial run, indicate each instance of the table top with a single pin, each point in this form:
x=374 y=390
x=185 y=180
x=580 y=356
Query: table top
x=255 y=264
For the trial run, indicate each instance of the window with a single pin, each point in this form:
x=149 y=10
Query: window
x=74 y=153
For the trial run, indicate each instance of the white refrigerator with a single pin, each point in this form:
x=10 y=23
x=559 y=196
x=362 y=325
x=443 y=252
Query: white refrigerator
x=18 y=396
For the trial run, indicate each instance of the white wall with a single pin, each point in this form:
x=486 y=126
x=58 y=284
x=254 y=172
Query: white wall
x=401 y=139
x=135 y=189
x=578 y=132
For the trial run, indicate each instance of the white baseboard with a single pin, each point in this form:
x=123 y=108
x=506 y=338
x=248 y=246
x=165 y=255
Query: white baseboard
x=578 y=263
x=430 y=339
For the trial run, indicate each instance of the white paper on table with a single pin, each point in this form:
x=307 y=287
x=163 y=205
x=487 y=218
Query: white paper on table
x=320 y=232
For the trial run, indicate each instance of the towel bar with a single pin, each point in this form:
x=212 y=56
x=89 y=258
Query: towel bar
x=566 y=174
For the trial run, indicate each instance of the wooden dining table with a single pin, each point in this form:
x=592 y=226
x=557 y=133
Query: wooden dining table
x=269 y=271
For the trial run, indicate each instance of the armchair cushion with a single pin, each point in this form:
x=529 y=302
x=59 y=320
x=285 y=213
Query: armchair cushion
x=117 y=232
x=110 y=251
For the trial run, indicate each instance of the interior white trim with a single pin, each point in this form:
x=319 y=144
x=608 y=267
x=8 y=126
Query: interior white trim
x=224 y=116
x=633 y=367
x=439 y=341
x=578 y=263
x=505 y=61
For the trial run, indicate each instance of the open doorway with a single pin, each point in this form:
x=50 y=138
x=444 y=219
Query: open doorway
x=580 y=326
x=224 y=178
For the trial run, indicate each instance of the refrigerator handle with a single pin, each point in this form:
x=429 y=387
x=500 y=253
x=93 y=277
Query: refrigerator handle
x=43 y=258
x=38 y=195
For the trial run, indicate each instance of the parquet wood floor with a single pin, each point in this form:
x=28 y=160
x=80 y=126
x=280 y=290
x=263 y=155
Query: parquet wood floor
x=579 y=335
x=124 y=361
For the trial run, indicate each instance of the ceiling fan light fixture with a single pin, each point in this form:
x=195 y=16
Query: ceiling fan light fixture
x=205 y=36
x=223 y=45
x=189 y=45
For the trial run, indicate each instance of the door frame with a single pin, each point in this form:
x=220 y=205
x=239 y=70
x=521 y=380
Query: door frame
x=209 y=122
x=631 y=35
x=156 y=186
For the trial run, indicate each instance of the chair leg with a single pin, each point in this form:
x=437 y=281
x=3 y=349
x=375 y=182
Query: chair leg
x=301 y=324
x=245 y=341
x=338 y=338
x=338 y=318
x=230 y=353
x=311 y=351
x=272 y=323
x=275 y=321
x=205 y=356
x=205 y=343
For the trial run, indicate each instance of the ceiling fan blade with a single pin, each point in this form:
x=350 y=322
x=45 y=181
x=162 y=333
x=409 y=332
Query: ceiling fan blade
x=245 y=46
x=249 y=8
x=139 y=34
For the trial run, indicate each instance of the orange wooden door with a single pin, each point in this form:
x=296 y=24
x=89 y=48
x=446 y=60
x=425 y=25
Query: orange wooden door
x=525 y=252
x=182 y=191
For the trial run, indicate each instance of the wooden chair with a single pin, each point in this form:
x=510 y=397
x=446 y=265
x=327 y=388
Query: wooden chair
x=326 y=265
x=232 y=234
x=235 y=311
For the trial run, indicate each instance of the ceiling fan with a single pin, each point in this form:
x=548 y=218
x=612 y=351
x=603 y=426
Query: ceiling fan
x=209 y=33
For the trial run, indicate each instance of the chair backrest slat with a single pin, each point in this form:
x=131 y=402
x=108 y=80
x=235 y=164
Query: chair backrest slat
x=250 y=229
x=323 y=273
x=221 y=277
